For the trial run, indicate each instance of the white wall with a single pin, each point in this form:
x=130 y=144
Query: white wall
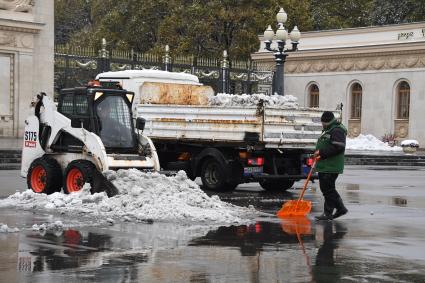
x=27 y=41
x=378 y=100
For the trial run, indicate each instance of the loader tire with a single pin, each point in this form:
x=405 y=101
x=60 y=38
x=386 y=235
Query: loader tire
x=77 y=173
x=44 y=176
x=213 y=176
x=274 y=186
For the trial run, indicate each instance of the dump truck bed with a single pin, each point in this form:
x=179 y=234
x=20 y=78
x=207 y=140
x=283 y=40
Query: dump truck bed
x=272 y=126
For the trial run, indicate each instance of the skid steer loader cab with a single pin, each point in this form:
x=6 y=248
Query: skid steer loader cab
x=90 y=131
x=103 y=111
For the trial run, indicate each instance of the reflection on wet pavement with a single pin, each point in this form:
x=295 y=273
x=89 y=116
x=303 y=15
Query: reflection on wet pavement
x=379 y=240
x=269 y=248
x=285 y=250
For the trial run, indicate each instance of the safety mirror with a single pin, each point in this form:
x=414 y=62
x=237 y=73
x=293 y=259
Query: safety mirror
x=140 y=123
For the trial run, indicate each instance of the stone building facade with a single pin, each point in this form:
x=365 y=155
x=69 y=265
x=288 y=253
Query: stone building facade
x=26 y=59
x=378 y=73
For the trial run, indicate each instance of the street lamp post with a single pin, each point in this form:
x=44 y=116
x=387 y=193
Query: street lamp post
x=280 y=53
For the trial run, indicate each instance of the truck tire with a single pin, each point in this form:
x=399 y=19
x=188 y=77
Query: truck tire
x=44 y=176
x=213 y=176
x=77 y=173
x=280 y=185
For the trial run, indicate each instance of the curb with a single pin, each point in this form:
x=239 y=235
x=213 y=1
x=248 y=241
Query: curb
x=10 y=159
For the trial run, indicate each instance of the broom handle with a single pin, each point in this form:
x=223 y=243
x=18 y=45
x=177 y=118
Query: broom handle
x=308 y=178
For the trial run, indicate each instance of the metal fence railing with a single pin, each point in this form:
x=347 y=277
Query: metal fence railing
x=76 y=66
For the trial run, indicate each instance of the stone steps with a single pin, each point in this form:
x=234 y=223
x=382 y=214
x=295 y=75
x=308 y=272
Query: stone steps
x=390 y=160
x=10 y=159
x=10 y=166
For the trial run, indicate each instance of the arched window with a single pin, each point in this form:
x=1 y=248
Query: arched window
x=314 y=96
x=403 y=100
x=356 y=101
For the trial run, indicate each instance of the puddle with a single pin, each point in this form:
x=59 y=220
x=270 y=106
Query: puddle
x=263 y=251
x=351 y=187
x=396 y=168
x=379 y=240
x=399 y=201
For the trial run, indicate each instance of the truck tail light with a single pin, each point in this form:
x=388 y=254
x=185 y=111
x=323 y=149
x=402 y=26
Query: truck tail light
x=258 y=161
x=309 y=161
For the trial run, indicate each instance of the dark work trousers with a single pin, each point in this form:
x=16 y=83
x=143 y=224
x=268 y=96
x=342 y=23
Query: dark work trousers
x=327 y=186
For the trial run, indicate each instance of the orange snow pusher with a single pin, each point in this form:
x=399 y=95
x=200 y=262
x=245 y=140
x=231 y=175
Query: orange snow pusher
x=298 y=207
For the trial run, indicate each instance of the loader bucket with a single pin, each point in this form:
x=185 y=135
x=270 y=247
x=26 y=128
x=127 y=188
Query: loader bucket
x=101 y=184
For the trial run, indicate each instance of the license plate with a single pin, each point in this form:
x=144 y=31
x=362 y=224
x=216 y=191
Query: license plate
x=252 y=170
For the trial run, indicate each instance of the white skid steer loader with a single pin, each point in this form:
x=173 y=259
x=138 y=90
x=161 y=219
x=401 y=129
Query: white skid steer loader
x=91 y=131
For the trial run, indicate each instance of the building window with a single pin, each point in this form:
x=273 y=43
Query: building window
x=314 y=96
x=356 y=101
x=403 y=100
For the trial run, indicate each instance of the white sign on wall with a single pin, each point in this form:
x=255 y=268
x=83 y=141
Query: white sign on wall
x=410 y=34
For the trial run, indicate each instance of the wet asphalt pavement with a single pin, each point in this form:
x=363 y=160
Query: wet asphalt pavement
x=380 y=240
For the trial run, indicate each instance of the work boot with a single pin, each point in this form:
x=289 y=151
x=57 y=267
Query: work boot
x=327 y=213
x=324 y=216
x=340 y=209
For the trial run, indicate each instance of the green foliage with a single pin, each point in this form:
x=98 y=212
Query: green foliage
x=336 y=14
x=71 y=16
x=397 y=11
x=206 y=28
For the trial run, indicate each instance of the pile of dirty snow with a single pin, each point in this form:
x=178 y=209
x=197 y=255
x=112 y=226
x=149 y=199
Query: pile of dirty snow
x=369 y=142
x=283 y=101
x=142 y=197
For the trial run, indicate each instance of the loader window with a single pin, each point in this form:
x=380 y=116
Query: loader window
x=67 y=104
x=81 y=104
x=115 y=122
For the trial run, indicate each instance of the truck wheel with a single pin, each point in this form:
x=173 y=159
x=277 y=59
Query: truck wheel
x=44 y=176
x=77 y=173
x=213 y=175
x=281 y=185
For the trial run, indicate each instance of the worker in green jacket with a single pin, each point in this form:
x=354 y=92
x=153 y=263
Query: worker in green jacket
x=330 y=149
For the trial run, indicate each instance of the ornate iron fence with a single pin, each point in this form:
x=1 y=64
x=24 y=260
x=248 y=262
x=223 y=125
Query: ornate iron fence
x=76 y=66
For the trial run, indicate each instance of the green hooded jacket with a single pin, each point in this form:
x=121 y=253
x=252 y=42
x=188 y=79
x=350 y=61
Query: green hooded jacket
x=334 y=163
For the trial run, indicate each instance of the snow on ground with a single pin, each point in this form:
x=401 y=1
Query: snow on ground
x=224 y=99
x=57 y=225
x=369 y=142
x=142 y=197
x=6 y=229
x=413 y=143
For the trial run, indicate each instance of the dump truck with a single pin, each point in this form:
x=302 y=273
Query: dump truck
x=223 y=145
x=91 y=130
